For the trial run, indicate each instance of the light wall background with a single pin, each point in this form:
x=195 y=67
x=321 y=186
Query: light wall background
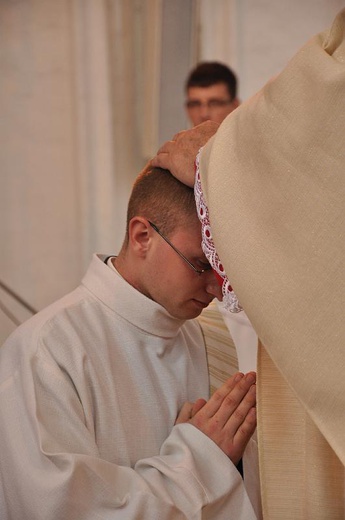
x=88 y=91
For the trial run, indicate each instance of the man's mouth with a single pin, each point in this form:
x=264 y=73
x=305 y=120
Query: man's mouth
x=202 y=304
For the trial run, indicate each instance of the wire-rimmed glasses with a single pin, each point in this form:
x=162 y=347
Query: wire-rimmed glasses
x=198 y=271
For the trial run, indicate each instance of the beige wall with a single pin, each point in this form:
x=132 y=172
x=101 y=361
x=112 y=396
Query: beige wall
x=258 y=37
x=78 y=114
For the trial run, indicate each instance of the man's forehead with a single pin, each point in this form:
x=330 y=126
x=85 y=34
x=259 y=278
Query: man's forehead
x=211 y=91
x=190 y=227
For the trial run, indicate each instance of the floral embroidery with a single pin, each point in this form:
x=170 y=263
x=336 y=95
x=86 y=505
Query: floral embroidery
x=229 y=297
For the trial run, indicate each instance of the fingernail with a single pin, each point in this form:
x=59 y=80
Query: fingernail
x=238 y=377
x=250 y=377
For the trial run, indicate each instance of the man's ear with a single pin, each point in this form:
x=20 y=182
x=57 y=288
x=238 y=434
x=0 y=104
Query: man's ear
x=139 y=235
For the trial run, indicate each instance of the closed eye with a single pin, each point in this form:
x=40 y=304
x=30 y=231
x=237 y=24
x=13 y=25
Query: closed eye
x=206 y=266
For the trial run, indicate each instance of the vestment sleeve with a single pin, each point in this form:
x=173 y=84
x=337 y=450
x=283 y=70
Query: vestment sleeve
x=50 y=426
x=230 y=300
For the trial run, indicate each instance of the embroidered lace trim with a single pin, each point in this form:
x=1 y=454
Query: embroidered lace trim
x=230 y=300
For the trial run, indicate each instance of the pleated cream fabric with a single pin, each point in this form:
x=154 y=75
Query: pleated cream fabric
x=274 y=182
x=220 y=348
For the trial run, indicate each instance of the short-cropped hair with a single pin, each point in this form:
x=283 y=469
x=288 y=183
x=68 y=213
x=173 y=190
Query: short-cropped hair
x=208 y=73
x=158 y=196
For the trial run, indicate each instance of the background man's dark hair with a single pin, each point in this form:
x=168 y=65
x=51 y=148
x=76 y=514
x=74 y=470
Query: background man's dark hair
x=209 y=73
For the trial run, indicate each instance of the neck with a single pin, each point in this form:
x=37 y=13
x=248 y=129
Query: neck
x=119 y=264
x=127 y=270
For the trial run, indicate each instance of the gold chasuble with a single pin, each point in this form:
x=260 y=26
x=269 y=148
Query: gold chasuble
x=273 y=178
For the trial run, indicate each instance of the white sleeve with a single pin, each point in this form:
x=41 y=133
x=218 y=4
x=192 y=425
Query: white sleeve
x=197 y=471
x=56 y=470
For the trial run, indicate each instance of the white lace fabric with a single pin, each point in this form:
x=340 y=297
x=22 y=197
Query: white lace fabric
x=230 y=299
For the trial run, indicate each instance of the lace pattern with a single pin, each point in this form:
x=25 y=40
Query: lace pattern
x=230 y=300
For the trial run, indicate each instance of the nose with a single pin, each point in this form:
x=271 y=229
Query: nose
x=204 y=112
x=213 y=287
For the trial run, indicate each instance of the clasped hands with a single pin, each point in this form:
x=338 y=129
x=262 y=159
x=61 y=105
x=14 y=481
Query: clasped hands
x=228 y=417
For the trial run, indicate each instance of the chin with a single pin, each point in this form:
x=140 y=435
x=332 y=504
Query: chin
x=188 y=311
x=190 y=315
x=193 y=316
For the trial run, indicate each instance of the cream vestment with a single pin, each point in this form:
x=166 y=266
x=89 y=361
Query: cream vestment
x=90 y=388
x=273 y=178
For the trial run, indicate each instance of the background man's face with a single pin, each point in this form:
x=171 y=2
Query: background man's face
x=213 y=102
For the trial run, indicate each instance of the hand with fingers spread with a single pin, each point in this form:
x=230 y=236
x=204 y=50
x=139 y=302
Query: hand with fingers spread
x=228 y=417
x=178 y=155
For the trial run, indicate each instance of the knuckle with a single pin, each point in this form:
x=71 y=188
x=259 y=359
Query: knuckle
x=230 y=401
x=248 y=426
x=218 y=396
x=250 y=397
x=239 y=415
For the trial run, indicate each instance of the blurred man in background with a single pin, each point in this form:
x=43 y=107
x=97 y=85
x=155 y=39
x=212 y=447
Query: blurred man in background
x=211 y=90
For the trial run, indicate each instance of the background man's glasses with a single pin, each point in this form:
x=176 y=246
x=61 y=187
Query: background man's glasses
x=199 y=271
x=211 y=104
